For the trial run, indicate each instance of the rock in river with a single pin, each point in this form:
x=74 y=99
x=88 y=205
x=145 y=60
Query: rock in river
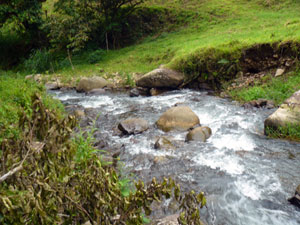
x=287 y=114
x=133 y=126
x=161 y=78
x=199 y=134
x=164 y=143
x=87 y=84
x=260 y=103
x=178 y=118
x=296 y=199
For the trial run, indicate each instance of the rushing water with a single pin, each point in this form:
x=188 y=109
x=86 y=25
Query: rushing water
x=246 y=176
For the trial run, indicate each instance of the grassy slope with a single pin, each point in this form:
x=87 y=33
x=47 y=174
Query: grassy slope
x=15 y=93
x=212 y=23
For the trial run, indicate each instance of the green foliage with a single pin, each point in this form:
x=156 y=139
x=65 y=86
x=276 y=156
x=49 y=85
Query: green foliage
x=38 y=62
x=23 y=14
x=212 y=64
x=289 y=132
x=15 y=94
x=49 y=184
x=128 y=79
x=277 y=89
x=20 y=30
x=77 y=22
x=96 y=56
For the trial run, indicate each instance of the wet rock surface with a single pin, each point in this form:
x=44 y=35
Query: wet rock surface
x=164 y=143
x=199 y=134
x=139 y=91
x=133 y=126
x=177 y=118
x=260 y=103
x=295 y=200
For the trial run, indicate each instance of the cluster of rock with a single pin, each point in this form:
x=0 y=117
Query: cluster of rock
x=177 y=118
x=260 y=103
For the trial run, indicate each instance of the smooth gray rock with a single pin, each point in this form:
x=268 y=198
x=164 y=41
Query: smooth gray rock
x=161 y=78
x=133 y=126
x=87 y=84
x=177 y=118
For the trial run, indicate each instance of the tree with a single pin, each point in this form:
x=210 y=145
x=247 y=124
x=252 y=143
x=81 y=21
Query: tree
x=20 y=30
x=24 y=14
x=78 y=22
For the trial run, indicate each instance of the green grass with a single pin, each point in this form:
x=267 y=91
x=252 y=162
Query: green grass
x=210 y=24
x=290 y=132
x=15 y=94
x=276 y=89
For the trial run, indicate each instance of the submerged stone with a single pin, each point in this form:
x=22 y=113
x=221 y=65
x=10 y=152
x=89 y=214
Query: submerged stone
x=164 y=143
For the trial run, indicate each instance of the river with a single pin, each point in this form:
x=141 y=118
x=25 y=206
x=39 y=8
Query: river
x=247 y=177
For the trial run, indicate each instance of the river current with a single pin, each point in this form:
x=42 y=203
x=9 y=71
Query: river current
x=247 y=177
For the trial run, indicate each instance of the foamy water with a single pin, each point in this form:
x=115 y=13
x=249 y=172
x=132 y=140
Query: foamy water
x=246 y=176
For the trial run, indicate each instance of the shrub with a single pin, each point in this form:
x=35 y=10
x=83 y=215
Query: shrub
x=96 y=56
x=41 y=181
x=38 y=62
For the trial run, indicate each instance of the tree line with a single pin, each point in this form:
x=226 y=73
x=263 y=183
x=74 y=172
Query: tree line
x=71 y=26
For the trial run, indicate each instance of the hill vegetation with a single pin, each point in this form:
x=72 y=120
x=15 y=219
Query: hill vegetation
x=210 y=39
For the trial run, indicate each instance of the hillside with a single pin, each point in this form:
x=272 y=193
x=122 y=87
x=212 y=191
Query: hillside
x=214 y=23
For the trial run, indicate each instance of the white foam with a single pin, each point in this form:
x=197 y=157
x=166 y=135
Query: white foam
x=218 y=159
x=248 y=188
x=234 y=142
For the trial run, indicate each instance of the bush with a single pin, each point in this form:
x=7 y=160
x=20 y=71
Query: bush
x=96 y=56
x=41 y=181
x=38 y=62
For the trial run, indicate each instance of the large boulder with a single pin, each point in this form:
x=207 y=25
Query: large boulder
x=133 y=126
x=161 y=78
x=199 y=134
x=287 y=114
x=87 y=84
x=178 y=118
x=295 y=200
